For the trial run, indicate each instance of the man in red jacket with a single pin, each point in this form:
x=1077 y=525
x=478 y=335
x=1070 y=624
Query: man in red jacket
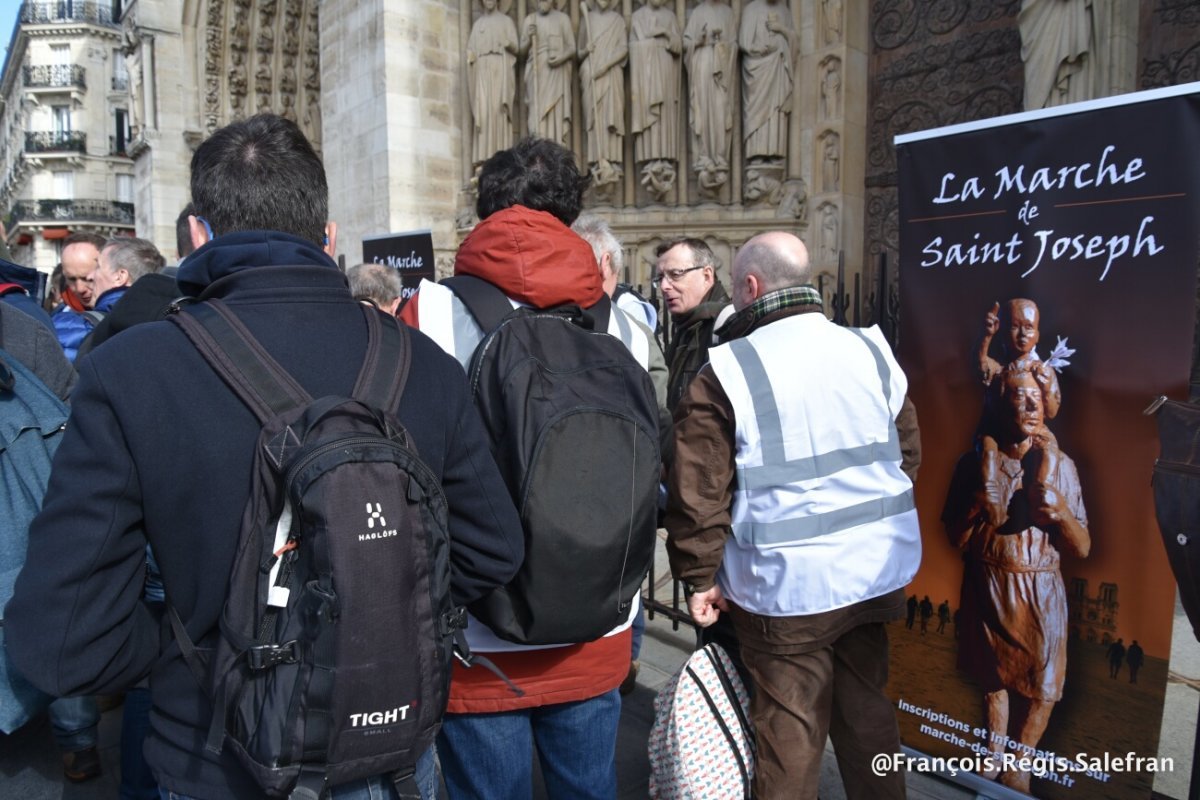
x=528 y=196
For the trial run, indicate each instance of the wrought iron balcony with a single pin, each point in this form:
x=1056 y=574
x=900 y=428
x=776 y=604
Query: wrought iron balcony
x=51 y=11
x=54 y=75
x=118 y=146
x=55 y=141
x=73 y=211
x=120 y=83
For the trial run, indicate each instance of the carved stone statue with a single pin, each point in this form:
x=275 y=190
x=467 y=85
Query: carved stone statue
x=708 y=40
x=291 y=34
x=288 y=102
x=549 y=44
x=287 y=76
x=655 y=43
x=312 y=95
x=239 y=33
x=831 y=88
x=132 y=52
x=793 y=204
x=492 y=81
x=767 y=41
x=831 y=241
x=603 y=50
x=1063 y=62
x=237 y=81
x=264 y=41
x=830 y=163
x=763 y=182
x=831 y=20
x=263 y=81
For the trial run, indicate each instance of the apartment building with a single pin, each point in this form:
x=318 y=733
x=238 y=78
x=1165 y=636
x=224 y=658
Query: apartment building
x=64 y=128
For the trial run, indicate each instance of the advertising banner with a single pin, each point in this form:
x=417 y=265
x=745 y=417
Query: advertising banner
x=409 y=253
x=1048 y=268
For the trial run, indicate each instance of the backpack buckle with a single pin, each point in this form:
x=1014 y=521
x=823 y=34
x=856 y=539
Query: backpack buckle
x=454 y=620
x=266 y=656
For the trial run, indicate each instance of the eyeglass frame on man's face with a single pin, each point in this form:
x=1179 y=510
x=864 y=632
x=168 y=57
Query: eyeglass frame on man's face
x=673 y=275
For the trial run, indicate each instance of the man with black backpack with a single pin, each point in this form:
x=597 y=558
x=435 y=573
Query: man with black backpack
x=315 y=554
x=559 y=375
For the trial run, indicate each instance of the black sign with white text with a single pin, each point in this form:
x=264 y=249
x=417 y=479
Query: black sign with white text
x=409 y=253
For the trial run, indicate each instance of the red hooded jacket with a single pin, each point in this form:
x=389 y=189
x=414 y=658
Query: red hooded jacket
x=538 y=261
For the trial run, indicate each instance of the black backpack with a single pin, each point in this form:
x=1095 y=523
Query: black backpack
x=573 y=425
x=336 y=639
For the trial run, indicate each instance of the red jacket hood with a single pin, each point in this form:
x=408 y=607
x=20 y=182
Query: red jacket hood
x=533 y=257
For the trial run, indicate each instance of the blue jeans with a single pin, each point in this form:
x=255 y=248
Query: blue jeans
x=75 y=721
x=377 y=788
x=490 y=756
x=639 y=629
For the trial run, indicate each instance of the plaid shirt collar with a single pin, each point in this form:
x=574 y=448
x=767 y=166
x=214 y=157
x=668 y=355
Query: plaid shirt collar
x=745 y=320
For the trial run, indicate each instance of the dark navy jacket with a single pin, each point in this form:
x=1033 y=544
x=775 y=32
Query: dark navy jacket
x=159 y=450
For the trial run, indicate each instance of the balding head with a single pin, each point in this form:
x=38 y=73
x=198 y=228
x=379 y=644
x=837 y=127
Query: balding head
x=766 y=263
x=80 y=256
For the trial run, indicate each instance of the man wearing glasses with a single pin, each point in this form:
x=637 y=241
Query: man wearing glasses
x=687 y=275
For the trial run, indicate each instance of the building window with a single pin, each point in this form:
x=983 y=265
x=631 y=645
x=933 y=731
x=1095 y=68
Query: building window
x=60 y=55
x=62 y=118
x=64 y=185
x=120 y=81
x=124 y=188
x=120 y=139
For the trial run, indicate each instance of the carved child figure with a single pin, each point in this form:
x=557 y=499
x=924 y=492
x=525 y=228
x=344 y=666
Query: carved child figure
x=1020 y=320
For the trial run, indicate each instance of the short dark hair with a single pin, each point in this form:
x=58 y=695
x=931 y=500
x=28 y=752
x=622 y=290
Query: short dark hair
x=84 y=237
x=183 y=232
x=702 y=254
x=536 y=173
x=261 y=174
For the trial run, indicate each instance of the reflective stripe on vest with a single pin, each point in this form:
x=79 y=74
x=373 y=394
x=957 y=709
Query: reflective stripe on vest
x=445 y=319
x=633 y=337
x=818 y=477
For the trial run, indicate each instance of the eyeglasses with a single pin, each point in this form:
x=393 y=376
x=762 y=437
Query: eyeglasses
x=672 y=275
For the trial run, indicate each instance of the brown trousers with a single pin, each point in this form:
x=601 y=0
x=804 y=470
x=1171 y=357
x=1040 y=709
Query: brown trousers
x=811 y=683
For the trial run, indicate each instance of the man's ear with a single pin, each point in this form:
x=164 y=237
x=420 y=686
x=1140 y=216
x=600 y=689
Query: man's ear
x=754 y=285
x=199 y=234
x=331 y=239
x=605 y=265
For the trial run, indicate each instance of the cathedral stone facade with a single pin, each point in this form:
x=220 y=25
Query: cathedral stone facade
x=714 y=118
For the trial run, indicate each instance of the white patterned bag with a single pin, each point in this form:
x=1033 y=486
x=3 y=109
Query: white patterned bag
x=702 y=742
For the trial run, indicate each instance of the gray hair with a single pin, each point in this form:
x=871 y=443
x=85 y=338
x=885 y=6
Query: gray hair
x=596 y=232
x=375 y=282
x=138 y=257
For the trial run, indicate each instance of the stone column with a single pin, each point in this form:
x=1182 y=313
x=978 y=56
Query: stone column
x=390 y=118
x=160 y=149
x=829 y=129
